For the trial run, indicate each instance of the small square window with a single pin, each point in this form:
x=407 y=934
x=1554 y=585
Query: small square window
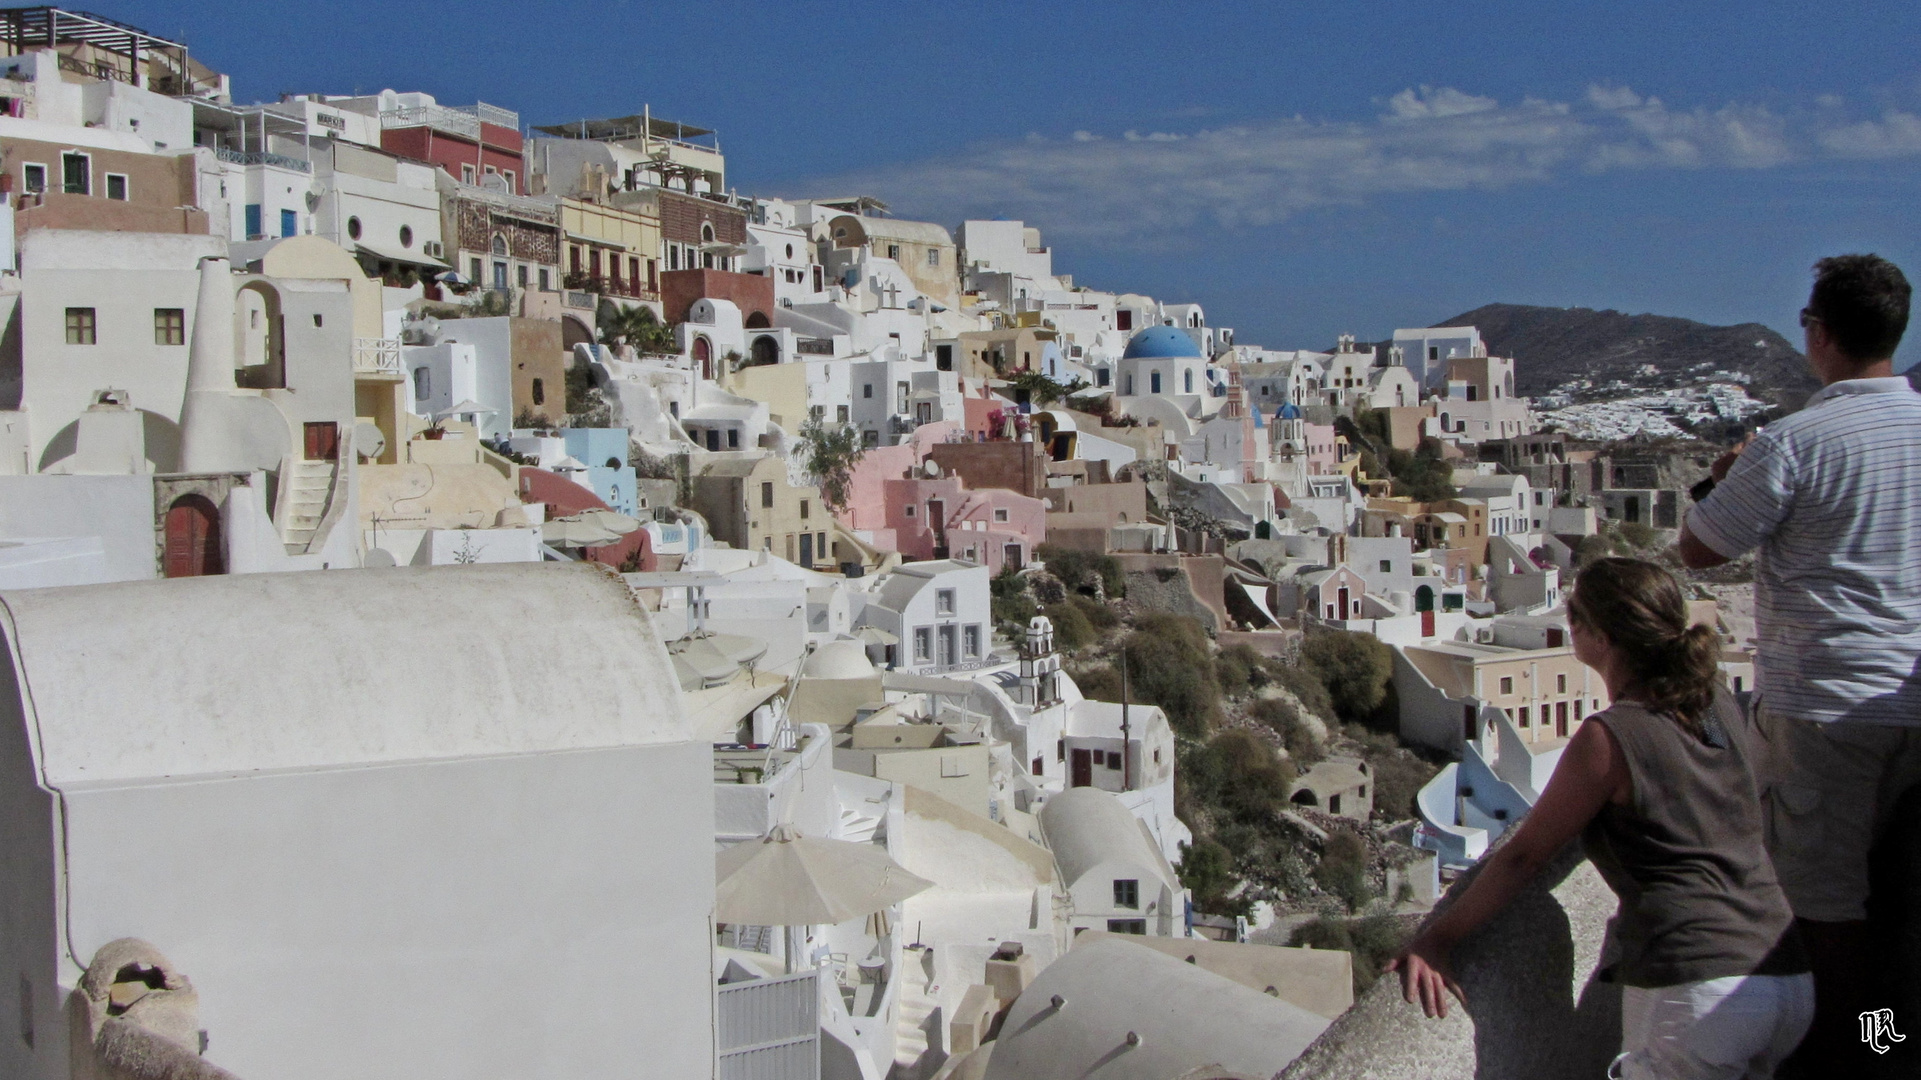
x=1560 y=684
x=1113 y=759
x=803 y=509
x=117 y=186
x=33 y=178
x=1387 y=566
x=867 y=390
x=933 y=256
x=944 y=601
x=1000 y=515
x=907 y=511
x=80 y=326
x=1127 y=893
x=766 y=495
x=170 y=326
x=1507 y=684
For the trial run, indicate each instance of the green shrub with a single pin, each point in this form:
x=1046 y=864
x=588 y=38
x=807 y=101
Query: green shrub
x=1012 y=607
x=1353 y=667
x=1072 y=631
x=1168 y=665
x=1373 y=940
x=1343 y=869
x=1239 y=773
x=1084 y=572
x=1303 y=684
x=1099 y=616
x=1207 y=868
x=1286 y=721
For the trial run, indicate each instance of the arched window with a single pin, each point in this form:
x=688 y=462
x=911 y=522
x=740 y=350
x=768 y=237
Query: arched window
x=500 y=244
x=406 y=236
x=1154 y=382
x=1187 y=381
x=353 y=228
x=706 y=233
x=192 y=533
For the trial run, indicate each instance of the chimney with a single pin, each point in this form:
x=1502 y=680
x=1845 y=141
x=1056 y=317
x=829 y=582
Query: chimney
x=209 y=367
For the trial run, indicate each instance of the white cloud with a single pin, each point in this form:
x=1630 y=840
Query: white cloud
x=1896 y=134
x=1149 y=187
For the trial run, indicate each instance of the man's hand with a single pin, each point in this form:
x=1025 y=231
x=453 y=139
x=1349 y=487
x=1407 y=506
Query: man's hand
x=1424 y=976
x=1719 y=470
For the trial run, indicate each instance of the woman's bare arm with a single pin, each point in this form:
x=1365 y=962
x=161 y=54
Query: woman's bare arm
x=1591 y=772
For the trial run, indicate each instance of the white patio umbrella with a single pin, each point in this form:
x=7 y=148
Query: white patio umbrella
x=467 y=407
x=786 y=879
x=589 y=528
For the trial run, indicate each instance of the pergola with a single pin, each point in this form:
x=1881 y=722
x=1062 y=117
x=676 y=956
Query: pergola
x=23 y=29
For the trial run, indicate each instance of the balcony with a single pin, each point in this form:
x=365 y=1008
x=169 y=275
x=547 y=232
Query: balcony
x=258 y=157
x=462 y=121
x=377 y=356
x=608 y=286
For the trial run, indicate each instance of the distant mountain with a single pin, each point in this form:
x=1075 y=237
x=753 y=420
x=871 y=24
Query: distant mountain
x=1551 y=346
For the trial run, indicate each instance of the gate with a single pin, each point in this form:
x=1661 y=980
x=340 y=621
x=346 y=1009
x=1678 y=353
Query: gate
x=770 y=1029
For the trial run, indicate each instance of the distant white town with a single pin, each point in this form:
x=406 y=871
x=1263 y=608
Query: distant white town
x=491 y=599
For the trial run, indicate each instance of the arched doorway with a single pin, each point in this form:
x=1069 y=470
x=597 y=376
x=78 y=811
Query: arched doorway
x=1424 y=598
x=757 y=321
x=766 y=350
x=192 y=538
x=704 y=357
x=574 y=332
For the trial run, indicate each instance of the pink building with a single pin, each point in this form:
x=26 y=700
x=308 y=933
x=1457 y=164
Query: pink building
x=1323 y=454
x=867 y=487
x=933 y=519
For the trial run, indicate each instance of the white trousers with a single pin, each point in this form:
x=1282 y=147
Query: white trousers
x=1735 y=1028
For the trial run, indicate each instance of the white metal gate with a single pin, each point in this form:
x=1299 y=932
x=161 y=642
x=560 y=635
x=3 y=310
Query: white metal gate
x=770 y=1029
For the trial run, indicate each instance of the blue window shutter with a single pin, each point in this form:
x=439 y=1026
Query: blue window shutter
x=289 y=223
x=253 y=220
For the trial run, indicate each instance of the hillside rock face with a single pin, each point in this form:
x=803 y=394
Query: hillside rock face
x=1552 y=346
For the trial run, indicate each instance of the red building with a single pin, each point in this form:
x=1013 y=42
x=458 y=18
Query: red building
x=470 y=143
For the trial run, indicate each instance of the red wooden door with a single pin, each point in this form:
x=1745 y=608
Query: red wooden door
x=192 y=538
x=1083 y=769
x=323 y=441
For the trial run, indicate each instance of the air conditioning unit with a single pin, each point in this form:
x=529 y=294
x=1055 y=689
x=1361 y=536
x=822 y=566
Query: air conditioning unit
x=432 y=249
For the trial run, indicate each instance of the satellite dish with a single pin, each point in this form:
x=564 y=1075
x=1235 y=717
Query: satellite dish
x=930 y=469
x=368 y=440
x=378 y=557
x=313 y=201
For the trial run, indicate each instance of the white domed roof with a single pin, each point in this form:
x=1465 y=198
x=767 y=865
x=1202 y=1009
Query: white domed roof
x=845 y=659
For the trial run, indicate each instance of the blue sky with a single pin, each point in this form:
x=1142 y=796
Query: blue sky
x=1302 y=169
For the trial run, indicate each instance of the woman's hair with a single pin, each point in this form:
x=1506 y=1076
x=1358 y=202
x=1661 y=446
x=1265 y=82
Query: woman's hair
x=1638 y=607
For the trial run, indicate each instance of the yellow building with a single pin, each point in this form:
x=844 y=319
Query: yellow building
x=611 y=251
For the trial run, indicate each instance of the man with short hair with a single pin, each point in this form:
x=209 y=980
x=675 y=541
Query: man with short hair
x=1829 y=499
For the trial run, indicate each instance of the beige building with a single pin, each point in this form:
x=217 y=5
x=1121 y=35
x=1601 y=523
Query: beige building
x=1545 y=690
x=924 y=251
x=749 y=503
x=613 y=251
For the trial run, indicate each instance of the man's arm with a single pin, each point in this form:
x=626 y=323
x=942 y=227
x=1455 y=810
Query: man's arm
x=1696 y=555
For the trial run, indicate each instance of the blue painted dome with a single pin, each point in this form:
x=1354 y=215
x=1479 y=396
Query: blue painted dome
x=1289 y=411
x=1160 y=342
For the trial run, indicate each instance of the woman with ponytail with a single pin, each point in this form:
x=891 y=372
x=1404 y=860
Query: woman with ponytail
x=1661 y=790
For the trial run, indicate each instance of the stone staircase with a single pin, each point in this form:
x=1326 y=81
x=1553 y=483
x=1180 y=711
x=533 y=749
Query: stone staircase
x=307 y=486
x=856 y=826
x=919 y=1015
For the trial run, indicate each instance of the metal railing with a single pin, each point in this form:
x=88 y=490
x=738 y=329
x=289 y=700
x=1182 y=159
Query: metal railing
x=260 y=157
x=769 y=1029
x=377 y=356
x=582 y=300
x=455 y=120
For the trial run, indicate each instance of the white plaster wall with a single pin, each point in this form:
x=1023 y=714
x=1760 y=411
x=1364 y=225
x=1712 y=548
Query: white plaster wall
x=119 y=510
x=495 y=917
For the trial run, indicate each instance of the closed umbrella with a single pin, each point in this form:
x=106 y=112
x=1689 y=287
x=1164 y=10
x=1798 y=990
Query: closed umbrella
x=786 y=879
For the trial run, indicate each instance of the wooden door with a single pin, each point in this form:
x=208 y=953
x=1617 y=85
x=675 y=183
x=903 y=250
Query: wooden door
x=807 y=550
x=1083 y=768
x=1560 y=720
x=323 y=441
x=192 y=538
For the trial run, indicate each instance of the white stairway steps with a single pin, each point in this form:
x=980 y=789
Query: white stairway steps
x=309 y=483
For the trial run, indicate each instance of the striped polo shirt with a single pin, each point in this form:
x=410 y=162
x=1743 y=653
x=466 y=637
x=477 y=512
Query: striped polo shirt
x=1830 y=500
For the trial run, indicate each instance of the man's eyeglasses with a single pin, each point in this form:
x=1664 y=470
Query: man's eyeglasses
x=1808 y=317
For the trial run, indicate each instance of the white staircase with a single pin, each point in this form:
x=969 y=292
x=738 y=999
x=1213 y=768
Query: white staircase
x=857 y=827
x=306 y=488
x=917 y=1011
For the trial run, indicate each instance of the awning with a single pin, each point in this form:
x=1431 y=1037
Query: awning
x=874 y=635
x=400 y=255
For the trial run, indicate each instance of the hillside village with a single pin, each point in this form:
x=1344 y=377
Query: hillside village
x=771 y=635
